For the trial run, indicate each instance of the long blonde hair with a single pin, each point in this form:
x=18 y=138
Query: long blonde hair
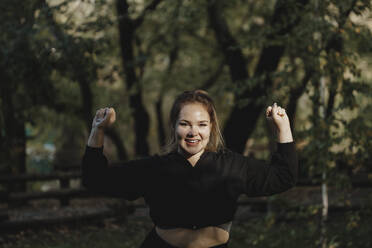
x=216 y=141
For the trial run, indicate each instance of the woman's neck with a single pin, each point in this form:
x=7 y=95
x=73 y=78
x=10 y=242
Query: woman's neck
x=192 y=158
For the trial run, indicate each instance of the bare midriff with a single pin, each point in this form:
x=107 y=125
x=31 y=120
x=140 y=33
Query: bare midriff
x=188 y=238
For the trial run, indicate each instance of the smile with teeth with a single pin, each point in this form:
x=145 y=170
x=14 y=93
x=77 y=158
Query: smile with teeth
x=192 y=141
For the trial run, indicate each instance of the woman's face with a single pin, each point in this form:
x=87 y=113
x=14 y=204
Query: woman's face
x=193 y=129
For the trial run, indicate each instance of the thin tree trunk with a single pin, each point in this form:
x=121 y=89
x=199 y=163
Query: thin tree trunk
x=335 y=43
x=87 y=101
x=324 y=217
x=15 y=139
x=173 y=56
x=113 y=134
x=159 y=114
x=141 y=118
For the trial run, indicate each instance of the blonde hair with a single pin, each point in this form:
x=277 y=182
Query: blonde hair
x=216 y=141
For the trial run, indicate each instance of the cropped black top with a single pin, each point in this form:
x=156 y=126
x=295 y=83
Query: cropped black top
x=181 y=195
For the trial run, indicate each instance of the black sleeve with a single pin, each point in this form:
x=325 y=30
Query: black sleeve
x=127 y=180
x=258 y=178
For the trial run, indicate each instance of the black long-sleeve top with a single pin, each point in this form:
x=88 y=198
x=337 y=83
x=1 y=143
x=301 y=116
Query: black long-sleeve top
x=181 y=195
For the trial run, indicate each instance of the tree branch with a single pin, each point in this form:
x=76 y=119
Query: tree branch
x=152 y=6
x=230 y=48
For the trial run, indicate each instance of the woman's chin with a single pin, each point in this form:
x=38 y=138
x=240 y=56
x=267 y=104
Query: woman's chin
x=190 y=151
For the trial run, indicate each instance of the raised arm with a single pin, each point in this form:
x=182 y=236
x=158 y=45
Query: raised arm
x=279 y=123
x=260 y=178
x=104 y=117
x=128 y=180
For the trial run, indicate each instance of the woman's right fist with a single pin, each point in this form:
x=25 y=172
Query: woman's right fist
x=104 y=118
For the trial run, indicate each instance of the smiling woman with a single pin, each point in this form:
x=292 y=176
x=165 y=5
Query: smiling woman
x=200 y=107
x=193 y=129
x=192 y=188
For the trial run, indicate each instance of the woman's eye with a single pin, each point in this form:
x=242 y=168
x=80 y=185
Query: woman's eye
x=203 y=125
x=183 y=124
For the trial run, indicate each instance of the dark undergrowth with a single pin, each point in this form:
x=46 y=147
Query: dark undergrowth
x=351 y=229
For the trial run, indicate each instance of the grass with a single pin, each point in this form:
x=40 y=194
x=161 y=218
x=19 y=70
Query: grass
x=344 y=230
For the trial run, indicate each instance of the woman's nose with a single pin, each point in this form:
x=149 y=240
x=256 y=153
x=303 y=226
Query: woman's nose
x=193 y=131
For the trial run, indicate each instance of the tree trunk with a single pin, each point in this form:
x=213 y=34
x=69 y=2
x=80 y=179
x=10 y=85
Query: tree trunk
x=15 y=139
x=324 y=217
x=127 y=30
x=159 y=114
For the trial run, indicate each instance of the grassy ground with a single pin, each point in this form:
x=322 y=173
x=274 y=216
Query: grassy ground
x=344 y=230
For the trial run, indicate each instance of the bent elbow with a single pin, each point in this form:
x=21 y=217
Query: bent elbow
x=89 y=182
x=86 y=184
x=288 y=184
x=292 y=182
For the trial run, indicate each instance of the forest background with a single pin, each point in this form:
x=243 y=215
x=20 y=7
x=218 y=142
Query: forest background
x=64 y=59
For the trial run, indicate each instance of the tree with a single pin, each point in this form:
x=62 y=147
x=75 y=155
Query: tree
x=25 y=80
x=285 y=17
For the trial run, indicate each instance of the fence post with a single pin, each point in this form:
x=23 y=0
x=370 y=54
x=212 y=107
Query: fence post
x=64 y=184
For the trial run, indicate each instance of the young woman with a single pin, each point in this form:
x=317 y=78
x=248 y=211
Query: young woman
x=192 y=189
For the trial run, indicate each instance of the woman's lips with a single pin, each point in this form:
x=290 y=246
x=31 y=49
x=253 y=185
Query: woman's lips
x=192 y=142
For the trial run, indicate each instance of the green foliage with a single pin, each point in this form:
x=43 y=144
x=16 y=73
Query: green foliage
x=338 y=123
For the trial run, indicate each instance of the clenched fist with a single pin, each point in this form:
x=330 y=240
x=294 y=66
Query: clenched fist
x=105 y=117
x=279 y=123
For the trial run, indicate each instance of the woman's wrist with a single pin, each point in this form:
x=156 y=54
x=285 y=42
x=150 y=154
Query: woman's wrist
x=284 y=136
x=96 y=137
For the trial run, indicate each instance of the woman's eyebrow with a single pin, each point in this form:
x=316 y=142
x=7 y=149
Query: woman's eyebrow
x=189 y=121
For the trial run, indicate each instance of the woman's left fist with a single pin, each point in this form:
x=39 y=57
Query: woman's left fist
x=277 y=116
